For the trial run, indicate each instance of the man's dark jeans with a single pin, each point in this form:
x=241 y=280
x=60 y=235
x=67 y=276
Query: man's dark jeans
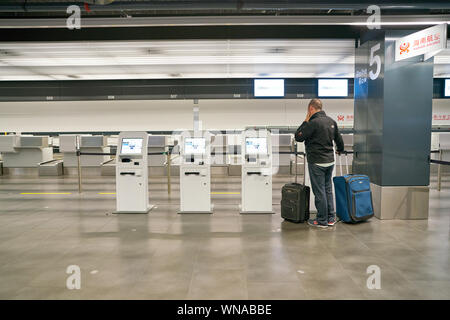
x=323 y=192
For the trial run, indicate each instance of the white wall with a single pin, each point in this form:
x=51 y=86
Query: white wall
x=154 y=114
x=169 y=114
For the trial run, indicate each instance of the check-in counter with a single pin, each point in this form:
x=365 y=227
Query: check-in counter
x=51 y=168
x=219 y=165
x=175 y=159
x=68 y=148
x=434 y=155
x=112 y=143
x=219 y=149
x=434 y=143
x=9 y=144
x=156 y=162
x=108 y=168
x=94 y=144
x=234 y=146
x=300 y=160
x=88 y=144
x=234 y=160
x=25 y=152
x=348 y=146
x=444 y=146
x=282 y=143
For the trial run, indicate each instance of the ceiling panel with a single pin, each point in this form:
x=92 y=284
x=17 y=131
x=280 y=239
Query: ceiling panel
x=183 y=59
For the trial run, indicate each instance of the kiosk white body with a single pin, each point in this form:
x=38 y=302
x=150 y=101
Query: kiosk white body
x=256 y=154
x=132 y=173
x=195 y=175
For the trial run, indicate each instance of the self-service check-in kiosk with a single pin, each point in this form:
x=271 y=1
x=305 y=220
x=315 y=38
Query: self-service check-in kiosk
x=256 y=172
x=195 y=175
x=132 y=173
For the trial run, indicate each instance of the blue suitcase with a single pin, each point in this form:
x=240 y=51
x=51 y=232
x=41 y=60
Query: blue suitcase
x=353 y=198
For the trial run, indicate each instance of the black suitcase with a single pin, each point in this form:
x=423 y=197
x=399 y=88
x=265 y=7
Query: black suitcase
x=295 y=199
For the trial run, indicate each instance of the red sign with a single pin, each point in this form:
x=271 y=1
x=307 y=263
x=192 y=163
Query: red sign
x=427 y=42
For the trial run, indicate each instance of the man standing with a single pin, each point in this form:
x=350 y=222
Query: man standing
x=318 y=131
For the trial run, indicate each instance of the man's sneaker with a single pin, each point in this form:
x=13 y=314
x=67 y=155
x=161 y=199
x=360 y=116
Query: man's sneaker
x=314 y=223
x=331 y=222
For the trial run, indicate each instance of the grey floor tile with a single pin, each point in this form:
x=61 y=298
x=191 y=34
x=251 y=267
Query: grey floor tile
x=165 y=255
x=160 y=290
x=42 y=293
x=339 y=287
x=276 y=291
x=218 y=284
x=431 y=290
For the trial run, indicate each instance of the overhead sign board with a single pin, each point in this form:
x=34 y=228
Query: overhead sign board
x=427 y=42
x=333 y=87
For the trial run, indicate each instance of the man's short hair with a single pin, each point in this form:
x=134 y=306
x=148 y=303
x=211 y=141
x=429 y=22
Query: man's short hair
x=316 y=104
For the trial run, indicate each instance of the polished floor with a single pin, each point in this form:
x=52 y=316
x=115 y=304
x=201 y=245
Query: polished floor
x=164 y=255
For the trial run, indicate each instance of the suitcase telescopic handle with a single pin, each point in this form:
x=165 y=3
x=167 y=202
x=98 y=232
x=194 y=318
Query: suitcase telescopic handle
x=296 y=161
x=340 y=162
x=346 y=162
x=296 y=165
x=304 y=169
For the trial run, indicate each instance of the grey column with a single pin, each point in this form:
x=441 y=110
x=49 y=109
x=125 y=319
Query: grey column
x=393 y=115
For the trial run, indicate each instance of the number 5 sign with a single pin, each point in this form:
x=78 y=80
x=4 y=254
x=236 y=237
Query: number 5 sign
x=375 y=59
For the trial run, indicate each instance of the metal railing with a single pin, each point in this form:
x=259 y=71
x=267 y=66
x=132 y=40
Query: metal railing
x=168 y=162
x=166 y=153
x=169 y=158
x=440 y=163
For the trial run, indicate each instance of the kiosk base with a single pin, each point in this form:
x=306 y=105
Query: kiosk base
x=150 y=207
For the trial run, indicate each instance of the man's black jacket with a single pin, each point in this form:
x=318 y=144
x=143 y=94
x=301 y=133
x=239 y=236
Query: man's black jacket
x=318 y=134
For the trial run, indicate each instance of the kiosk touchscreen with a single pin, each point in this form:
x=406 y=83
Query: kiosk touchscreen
x=132 y=173
x=195 y=176
x=256 y=146
x=256 y=172
x=195 y=146
x=131 y=146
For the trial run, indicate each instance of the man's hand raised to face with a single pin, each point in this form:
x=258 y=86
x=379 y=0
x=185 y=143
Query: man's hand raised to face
x=308 y=116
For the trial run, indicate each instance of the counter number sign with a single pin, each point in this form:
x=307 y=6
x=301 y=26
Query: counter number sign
x=375 y=59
